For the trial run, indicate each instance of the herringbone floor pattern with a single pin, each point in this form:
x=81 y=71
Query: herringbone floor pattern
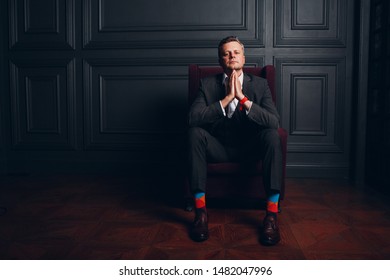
x=120 y=217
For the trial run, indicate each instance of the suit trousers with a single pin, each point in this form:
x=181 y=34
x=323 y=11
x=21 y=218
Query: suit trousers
x=204 y=148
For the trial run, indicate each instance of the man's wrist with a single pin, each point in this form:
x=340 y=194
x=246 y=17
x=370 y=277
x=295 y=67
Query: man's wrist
x=241 y=97
x=243 y=100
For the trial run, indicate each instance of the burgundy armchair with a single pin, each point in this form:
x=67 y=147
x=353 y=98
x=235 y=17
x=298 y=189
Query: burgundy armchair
x=228 y=179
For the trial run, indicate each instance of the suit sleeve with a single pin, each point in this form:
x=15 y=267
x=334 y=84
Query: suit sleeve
x=205 y=110
x=263 y=111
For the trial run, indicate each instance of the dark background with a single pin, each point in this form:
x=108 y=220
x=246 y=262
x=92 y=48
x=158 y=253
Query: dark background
x=100 y=86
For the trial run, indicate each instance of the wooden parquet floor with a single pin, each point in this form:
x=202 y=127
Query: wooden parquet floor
x=118 y=217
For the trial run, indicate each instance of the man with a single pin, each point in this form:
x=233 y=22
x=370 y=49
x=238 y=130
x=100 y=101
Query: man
x=234 y=118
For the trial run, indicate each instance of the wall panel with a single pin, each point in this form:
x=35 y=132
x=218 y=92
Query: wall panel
x=42 y=104
x=42 y=24
x=313 y=103
x=123 y=24
x=128 y=105
x=314 y=23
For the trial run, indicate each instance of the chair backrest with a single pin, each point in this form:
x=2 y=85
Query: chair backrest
x=197 y=72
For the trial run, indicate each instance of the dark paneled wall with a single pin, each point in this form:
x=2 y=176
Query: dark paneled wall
x=2 y=92
x=378 y=109
x=102 y=85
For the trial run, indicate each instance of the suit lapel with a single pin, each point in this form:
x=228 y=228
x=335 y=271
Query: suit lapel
x=219 y=87
x=246 y=87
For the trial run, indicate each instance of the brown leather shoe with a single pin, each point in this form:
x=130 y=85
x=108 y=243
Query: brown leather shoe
x=200 y=229
x=270 y=232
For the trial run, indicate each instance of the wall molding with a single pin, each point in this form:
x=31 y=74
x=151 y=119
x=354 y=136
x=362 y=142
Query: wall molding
x=56 y=79
x=250 y=29
x=60 y=36
x=289 y=32
x=330 y=138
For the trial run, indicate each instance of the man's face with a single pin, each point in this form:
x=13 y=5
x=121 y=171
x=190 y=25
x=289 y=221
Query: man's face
x=231 y=56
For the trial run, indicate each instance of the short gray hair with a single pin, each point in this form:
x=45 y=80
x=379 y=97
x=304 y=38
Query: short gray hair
x=228 y=40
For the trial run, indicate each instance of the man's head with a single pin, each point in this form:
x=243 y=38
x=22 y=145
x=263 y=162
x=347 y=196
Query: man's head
x=231 y=54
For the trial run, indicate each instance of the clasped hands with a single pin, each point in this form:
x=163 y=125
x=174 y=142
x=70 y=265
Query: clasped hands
x=234 y=89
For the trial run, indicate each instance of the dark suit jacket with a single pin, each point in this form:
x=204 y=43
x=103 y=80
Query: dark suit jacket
x=206 y=110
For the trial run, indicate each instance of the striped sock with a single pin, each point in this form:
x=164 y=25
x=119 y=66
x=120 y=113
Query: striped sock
x=272 y=203
x=200 y=200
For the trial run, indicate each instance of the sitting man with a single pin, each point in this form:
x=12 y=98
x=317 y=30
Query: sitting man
x=233 y=118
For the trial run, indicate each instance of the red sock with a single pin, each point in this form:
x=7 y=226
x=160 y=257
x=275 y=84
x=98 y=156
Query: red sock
x=200 y=200
x=273 y=203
